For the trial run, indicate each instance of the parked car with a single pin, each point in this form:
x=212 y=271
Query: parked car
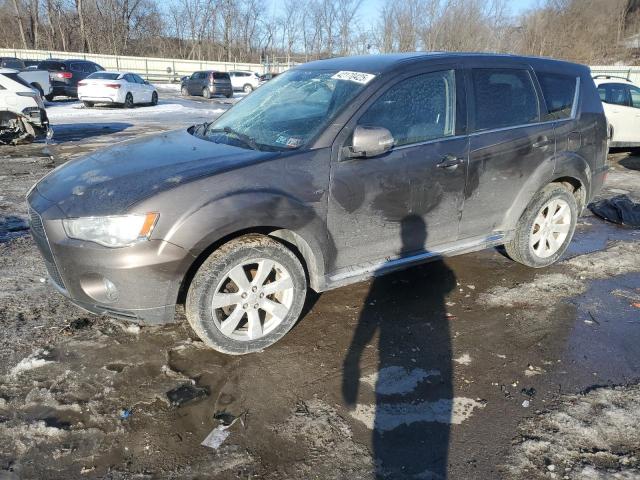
x=244 y=80
x=335 y=171
x=264 y=78
x=621 y=100
x=121 y=88
x=37 y=79
x=31 y=63
x=207 y=83
x=23 y=117
x=65 y=75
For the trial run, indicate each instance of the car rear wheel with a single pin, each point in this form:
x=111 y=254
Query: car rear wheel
x=546 y=227
x=88 y=104
x=49 y=98
x=248 y=88
x=206 y=93
x=247 y=295
x=185 y=92
x=154 y=98
x=128 y=101
x=229 y=95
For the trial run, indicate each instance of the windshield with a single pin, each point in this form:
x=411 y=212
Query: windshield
x=287 y=112
x=104 y=76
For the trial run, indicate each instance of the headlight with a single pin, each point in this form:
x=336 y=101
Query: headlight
x=114 y=231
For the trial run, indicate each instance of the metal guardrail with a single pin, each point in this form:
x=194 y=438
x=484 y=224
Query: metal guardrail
x=151 y=68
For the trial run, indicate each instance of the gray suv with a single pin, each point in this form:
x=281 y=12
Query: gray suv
x=335 y=171
x=207 y=83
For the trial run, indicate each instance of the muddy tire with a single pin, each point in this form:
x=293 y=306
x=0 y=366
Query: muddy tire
x=154 y=99
x=206 y=93
x=546 y=227
x=184 y=91
x=247 y=295
x=88 y=104
x=229 y=95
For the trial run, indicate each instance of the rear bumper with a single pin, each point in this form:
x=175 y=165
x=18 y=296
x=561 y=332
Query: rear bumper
x=220 y=90
x=138 y=283
x=65 y=90
x=86 y=98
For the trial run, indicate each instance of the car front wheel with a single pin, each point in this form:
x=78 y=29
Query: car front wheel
x=128 y=101
x=546 y=227
x=154 y=98
x=185 y=92
x=248 y=88
x=247 y=295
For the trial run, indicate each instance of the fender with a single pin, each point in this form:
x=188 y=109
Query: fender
x=245 y=210
x=564 y=164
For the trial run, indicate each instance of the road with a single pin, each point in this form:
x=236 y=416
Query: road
x=470 y=367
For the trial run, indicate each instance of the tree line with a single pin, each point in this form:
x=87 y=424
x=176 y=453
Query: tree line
x=587 y=31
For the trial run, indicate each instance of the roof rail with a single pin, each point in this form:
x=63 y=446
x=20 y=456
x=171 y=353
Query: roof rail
x=612 y=76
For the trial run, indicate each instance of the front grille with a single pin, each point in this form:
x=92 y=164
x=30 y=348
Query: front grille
x=40 y=237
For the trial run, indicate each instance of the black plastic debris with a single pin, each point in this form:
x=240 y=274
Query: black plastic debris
x=225 y=418
x=80 y=323
x=12 y=227
x=528 y=392
x=619 y=209
x=185 y=393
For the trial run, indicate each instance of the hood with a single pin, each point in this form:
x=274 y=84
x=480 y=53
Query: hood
x=109 y=181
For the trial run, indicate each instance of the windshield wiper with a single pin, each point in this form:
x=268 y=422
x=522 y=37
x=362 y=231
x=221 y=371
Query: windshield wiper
x=246 y=139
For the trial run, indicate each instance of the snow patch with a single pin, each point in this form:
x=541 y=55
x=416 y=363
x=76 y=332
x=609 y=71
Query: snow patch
x=464 y=359
x=30 y=362
x=387 y=416
x=397 y=380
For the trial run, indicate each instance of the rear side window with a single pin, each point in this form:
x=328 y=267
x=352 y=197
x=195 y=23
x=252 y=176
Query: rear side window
x=77 y=67
x=615 y=93
x=221 y=76
x=504 y=98
x=559 y=93
x=635 y=96
x=418 y=109
x=49 y=65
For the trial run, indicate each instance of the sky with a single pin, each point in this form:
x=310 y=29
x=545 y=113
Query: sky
x=370 y=8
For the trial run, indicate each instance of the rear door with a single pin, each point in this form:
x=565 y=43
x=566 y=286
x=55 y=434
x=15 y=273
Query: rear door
x=402 y=202
x=144 y=88
x=508 y=142
x=616 y=98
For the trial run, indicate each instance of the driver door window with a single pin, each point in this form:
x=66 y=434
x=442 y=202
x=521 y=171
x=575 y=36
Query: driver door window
x=416 y=110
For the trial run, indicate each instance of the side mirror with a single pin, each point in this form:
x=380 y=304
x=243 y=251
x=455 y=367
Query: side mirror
x=370 y=142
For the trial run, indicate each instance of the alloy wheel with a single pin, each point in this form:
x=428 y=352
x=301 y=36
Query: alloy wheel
x=252 y=299
x=550 y=228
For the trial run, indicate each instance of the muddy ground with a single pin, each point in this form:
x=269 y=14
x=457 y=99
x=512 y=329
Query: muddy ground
x=472 y=367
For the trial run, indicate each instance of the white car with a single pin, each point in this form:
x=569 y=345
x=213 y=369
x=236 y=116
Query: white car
x=120 y=88
x=621 y=101
x=23 y=117
x=244 y=80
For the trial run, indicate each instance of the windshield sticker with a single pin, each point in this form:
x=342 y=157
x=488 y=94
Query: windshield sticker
x=294 y=142
x=357 y=77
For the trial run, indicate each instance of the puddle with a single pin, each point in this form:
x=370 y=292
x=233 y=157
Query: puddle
x=12 y=227
x=593 y=234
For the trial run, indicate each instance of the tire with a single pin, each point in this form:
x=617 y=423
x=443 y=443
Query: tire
x=523 y=248
x=229 y=95
x=184 y=91
x=213 y=279
x=154 y=99
x=248 y=88
x=88 y=104
x=206 y=93
x=50 y=97
x=128 y=101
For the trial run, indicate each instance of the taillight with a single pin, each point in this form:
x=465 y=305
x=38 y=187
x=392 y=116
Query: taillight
x=66 y=75
x=112 y=85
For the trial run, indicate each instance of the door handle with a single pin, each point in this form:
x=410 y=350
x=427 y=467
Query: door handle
x=542 y=142
x=450 y=162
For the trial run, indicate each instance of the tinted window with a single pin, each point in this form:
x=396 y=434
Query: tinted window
x=51 y=65
x=138 y=79
x=416 y=110
x=129 y=78
x=559 y=93
x=104 y=76
x=14 y=63
x=504 y=98
x=220 y=76
x=76 y=67
x=615 y=93
x=635 y=96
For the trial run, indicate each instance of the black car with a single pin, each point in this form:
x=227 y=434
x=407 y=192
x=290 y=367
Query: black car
x=12 y=62
x=207 y=83
x=335 y=171
x=65 y=75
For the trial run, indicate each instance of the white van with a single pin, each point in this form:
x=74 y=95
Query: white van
x=23 y=117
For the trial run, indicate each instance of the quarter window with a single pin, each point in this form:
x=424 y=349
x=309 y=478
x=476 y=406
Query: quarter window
x=418 y=109
x=504 y=98
x=559 y=93
x=635 y=96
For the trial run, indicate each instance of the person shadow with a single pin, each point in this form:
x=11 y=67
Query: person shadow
x=412 y=384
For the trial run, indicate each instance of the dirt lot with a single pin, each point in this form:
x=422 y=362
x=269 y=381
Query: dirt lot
x=472 y=367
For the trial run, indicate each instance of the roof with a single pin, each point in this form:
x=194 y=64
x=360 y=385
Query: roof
x=388 y=61
x=8 y=70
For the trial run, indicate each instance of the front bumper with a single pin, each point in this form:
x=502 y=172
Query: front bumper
x=140 y=283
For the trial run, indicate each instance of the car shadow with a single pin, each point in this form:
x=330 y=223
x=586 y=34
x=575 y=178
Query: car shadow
x=412 y=383
x=80 y=131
